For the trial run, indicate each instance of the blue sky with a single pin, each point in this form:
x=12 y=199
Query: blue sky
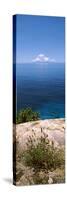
x=39 y=38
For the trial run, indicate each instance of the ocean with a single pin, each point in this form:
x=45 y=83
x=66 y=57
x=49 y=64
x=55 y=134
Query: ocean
x=41 y=86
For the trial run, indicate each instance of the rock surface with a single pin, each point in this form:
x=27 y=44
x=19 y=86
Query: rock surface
x=53 y=128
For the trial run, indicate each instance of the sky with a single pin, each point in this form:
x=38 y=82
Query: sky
x=40 y=39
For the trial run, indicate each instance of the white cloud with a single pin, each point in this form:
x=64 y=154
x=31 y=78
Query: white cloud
x=46 y=59
x=43 y=58
x=41 y=55
x=36 y=59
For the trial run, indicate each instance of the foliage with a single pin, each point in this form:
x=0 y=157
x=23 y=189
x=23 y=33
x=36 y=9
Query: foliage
x=43 y=155
x=27 y=115
x=39 y=161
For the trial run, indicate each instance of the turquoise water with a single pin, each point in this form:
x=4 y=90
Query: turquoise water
x=41 y=87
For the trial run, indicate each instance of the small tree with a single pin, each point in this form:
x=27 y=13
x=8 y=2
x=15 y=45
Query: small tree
x=27 y=115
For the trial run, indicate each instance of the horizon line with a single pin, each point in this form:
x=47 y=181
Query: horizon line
x=39 y=62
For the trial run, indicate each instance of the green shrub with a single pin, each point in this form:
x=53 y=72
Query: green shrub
x=27 y=115
x=43 y=155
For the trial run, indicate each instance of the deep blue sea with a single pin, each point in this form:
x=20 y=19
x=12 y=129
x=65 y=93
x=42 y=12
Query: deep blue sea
x=41 y=87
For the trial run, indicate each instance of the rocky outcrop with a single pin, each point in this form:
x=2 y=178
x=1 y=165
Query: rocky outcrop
x=53 y=128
